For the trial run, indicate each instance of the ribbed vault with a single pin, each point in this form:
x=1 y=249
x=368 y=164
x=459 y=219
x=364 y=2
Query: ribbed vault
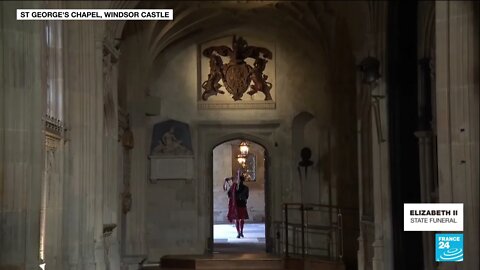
x=202 y=18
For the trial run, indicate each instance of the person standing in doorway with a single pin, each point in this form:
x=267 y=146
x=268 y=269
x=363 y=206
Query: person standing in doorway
x=237 y=204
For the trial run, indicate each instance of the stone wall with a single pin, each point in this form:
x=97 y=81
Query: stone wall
x=222 y=167
x=457 y=108
x=154 y=84
x=21 y=138
x=174 y=87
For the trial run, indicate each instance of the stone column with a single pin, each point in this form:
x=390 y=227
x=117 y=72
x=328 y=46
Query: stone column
x=52 y=202
x=133 y=80
x=111 y=192
x=457 y=93
x=426 y=139
x=21 y=140
x=360 y=157
x=83 y=219
x=364 y=159
x=383 y=243
x=376 y=237
x=382 y=220
x=426 y=125
x=425 y=147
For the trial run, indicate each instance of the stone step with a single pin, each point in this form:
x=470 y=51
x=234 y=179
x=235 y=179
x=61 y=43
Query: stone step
x=258 y=261
x=312 y=263
x=223 y=261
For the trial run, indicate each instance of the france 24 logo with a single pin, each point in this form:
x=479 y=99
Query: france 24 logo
x=449 y=247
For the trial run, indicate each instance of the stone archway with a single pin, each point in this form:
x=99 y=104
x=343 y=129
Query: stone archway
x=212 y=134
x=225 y=164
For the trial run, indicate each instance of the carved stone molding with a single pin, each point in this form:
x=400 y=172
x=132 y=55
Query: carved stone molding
x=110 y=46
x=52 y=141
x=126 y=199
x=122 y=119
x=110 y=60
x=53 y=126
x=226 y=106
x=125 y=135
x=127 y=139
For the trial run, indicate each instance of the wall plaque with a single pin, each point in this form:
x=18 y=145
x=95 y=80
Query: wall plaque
x=171 y=137
x=171 y=153
x=171 y=168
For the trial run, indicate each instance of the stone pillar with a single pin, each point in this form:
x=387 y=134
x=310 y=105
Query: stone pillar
x=457 y=93
x=111 y=192
x=21 y=140
x=126 y=143
x=426 y=140
x=52 y=203
x=376 y=237
x=383 y=243
x=83 y=219
x=132 y=79
x=426 y=114
x=51 y=216
x=426 y=166
x=364 y=159
x=382 y=217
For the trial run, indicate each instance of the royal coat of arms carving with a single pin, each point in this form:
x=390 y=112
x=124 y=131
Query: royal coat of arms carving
x=237 y=75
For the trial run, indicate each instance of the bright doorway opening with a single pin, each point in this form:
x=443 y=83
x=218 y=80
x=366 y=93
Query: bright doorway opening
x=231 y=160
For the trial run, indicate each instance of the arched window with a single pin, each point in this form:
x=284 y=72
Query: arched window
x=54 y=75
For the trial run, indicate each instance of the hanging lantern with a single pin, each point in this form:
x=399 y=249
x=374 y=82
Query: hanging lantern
x=244 y=148
x=370 y=67
x=242 y=159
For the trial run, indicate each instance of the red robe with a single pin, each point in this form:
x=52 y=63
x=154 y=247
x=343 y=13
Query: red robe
x=232 y=203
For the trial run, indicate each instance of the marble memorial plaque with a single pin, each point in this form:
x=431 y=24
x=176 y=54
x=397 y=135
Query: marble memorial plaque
x=171 y=168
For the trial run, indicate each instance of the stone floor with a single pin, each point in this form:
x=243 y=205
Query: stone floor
x=237 y=261
x=246 y=261
x=225 y=239
x=230 y=252
x=227 y=233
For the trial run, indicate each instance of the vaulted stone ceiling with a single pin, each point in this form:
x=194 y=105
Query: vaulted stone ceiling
x=312 y=20
x=317 y=24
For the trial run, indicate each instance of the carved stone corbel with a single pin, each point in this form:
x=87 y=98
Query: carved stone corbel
x=110 y=60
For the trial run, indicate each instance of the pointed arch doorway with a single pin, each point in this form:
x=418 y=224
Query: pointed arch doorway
x=212 y=134
x=230 y=160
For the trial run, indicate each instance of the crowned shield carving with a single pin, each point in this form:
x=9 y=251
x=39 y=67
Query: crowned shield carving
x=237 y=75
